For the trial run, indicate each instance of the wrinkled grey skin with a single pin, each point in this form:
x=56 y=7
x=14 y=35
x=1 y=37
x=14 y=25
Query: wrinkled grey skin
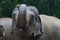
x=51 y=27
x=6 y=23
x=31 y=17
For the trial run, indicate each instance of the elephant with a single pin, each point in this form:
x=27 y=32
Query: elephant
x=27 y=24
x=5 y=28
x=25 y=19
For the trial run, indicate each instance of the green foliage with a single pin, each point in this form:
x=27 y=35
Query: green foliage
x=48 y=7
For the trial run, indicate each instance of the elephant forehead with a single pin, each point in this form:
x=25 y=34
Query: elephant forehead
x=29 y=14
x=21 y=21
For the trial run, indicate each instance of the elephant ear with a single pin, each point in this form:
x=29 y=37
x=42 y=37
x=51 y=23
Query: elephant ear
x=37 y=22
x=38 y=27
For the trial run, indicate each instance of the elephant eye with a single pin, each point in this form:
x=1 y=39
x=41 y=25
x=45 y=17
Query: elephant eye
x=31 y=20
x=14 y=16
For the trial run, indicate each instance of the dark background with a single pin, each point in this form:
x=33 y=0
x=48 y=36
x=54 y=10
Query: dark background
x=48 y=7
